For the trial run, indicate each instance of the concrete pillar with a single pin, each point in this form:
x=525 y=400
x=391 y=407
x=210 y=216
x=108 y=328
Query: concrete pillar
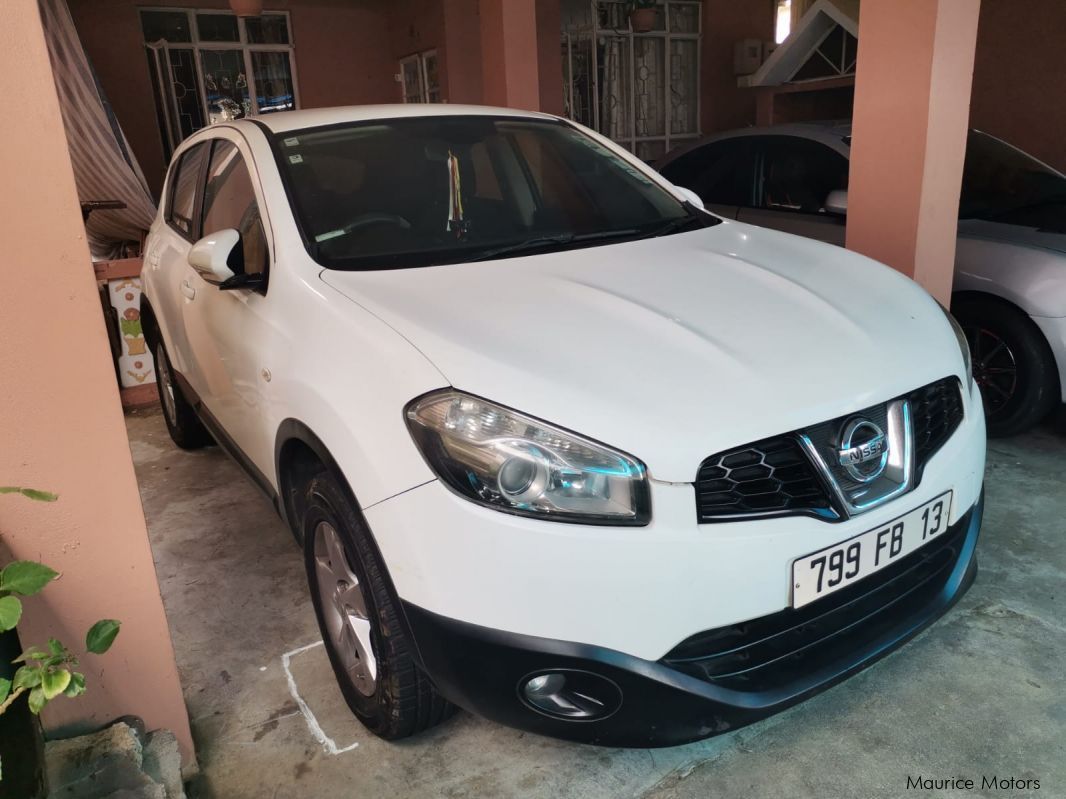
x=549 y=56
x=461 y=53
x=510 y=75
x=61 y=424
x=912 y=99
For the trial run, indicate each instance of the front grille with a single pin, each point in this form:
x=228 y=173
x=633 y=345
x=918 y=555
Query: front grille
x=771 y=651
x=827 y=435
x=776 y=477
x=937 y=411
x=772 y=476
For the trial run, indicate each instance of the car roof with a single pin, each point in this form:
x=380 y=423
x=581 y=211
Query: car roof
x=834 y=133
x=284 y=121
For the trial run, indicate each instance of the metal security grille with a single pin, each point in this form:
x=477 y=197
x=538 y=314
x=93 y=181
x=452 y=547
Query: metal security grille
x=640 y=89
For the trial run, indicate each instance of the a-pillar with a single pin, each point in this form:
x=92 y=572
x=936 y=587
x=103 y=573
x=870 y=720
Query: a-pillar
x=912 y=100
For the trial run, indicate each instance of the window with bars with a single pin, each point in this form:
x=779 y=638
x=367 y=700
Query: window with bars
x=208 y=66
x=420 y=79
x=639 y=88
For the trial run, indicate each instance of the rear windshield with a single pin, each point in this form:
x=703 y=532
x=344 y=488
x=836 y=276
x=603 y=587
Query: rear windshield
x=1001 y=183
x=425 y=191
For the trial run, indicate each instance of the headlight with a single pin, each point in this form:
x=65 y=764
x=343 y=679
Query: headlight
x=511 y=462
x=964 y=345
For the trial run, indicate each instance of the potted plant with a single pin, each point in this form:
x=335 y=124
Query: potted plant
x=641 y=15
x=31 y=678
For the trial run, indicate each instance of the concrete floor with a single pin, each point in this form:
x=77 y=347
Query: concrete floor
x=981 y=693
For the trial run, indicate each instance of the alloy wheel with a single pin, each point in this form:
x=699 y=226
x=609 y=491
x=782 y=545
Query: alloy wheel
x=994 y=368
x=344 y=609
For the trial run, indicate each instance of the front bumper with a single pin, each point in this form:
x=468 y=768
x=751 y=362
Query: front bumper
x=714 y=681
x=637 y=590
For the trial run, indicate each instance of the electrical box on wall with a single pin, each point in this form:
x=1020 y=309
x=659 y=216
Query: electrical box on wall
x=747 y=56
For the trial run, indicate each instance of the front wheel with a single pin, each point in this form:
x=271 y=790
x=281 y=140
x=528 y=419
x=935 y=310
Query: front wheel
x=371 y=655
x=185 y=428
x=1012 y=364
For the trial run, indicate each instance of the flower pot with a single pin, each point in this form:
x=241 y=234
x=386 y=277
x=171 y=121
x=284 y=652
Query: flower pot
x=642 y=20
x=246 y=8
x=21 y=743
x=135 y=346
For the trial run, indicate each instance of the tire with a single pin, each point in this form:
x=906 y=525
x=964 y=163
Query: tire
x=1012 y=364
x=185 y=428
x=371 y=654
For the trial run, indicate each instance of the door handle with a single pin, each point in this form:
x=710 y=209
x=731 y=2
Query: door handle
x=188 y=290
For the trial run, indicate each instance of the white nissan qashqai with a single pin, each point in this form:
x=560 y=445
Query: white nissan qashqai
x=561 y=447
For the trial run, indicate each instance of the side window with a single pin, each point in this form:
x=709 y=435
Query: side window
x=798 y=174
x=229 y=202
x=721 y=173
x=181 y=210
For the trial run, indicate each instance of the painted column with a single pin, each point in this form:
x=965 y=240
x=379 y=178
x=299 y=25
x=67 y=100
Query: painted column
x=510 y=75
x=461 y=53
x=61 y=424
x=912 y=100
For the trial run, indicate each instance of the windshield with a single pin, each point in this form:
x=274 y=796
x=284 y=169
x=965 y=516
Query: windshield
x=434 y=190
x=1003 y=184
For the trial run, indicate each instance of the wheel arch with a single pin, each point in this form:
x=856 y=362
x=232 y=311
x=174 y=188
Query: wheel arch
x=299 y=454
x=149 y=324
x=985 y=296
x=1058 y=363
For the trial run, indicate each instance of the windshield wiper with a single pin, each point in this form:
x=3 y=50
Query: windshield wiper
x=539 y=243
x=674 y=226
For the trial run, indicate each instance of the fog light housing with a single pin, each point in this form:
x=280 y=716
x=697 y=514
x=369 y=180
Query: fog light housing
x=570 y=694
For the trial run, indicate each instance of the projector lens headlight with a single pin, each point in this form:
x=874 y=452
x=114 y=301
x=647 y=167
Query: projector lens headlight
x=511 y=462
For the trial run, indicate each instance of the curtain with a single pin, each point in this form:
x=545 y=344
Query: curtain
x=104 y=166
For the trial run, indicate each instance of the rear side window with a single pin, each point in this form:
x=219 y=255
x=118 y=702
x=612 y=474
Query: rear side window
x=229 y=202
x=721 y=173
x=181 y=210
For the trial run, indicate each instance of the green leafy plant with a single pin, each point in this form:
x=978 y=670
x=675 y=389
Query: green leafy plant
x=45 y=673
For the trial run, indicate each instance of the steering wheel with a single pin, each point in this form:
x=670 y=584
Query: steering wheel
x=377 y=218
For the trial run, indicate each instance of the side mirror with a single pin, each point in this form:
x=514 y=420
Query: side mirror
x=837 y=202
x=210 y=256
x=690 y=196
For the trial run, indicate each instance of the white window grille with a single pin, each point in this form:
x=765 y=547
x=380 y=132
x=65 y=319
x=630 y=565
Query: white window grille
x=209 y=65
x=640 y=89
x=420 y=78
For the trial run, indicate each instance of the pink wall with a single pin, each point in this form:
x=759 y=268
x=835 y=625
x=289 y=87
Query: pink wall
x=415 y=26
x=61 y=424
x=723 y=105
x=1019 y=75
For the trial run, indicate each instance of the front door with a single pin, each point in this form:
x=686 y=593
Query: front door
x=228 y=330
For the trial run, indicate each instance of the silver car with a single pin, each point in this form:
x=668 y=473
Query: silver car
x=1010 y=265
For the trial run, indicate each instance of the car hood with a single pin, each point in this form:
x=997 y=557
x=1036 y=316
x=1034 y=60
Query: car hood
x=1045 y=238
x=671 y=348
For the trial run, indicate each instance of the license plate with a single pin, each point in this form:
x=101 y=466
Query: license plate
x=840 y=565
